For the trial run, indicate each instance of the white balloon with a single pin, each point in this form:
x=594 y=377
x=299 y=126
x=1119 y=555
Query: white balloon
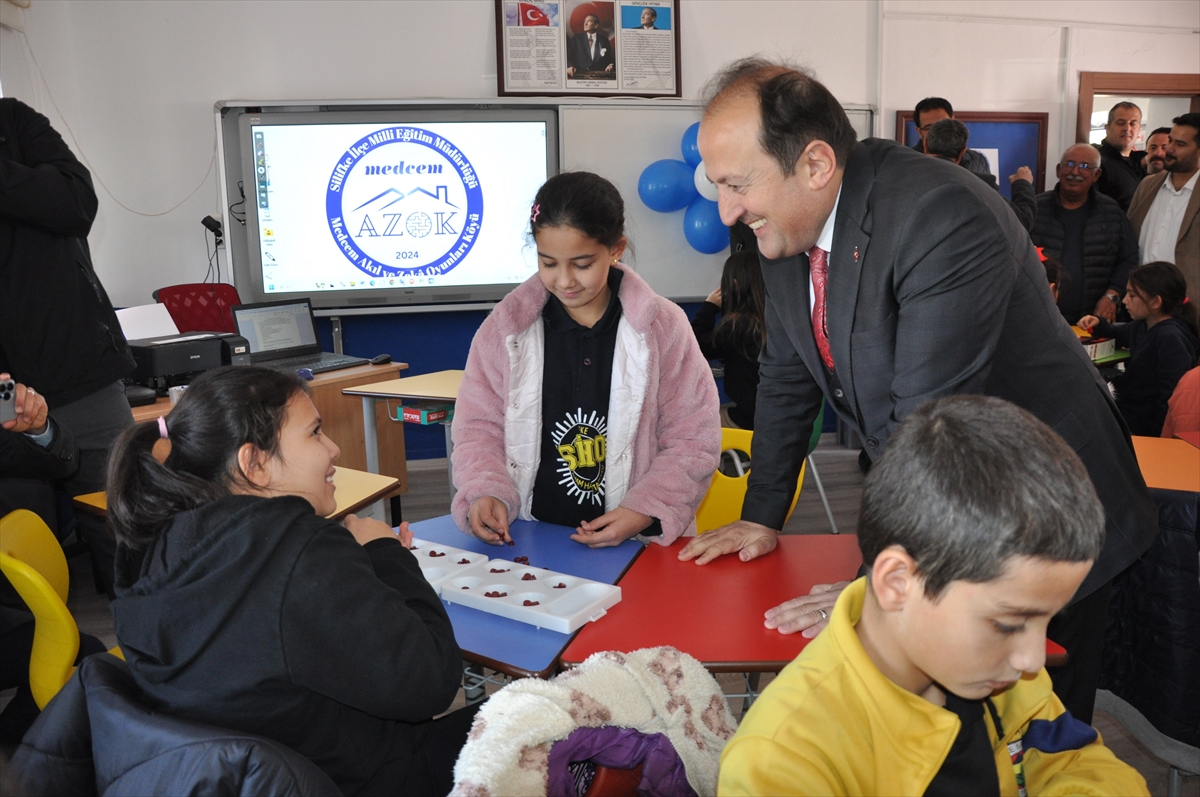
x=706 y=187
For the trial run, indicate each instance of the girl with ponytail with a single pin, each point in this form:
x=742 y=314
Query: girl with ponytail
x=1163 y=341
x=240 y=605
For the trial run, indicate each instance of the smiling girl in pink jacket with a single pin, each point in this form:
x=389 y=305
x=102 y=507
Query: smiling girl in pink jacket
x=586 y=401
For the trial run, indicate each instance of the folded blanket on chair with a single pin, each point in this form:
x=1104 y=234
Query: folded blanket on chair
x=652 y=691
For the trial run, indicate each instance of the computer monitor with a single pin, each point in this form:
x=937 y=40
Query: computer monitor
x=359 y=208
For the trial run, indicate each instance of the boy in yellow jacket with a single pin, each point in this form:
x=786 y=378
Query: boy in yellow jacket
x=978 y=524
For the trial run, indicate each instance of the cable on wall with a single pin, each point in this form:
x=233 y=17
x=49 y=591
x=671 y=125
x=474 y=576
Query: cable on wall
x=79 y=147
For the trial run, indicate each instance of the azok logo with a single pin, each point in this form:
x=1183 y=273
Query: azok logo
x=426 y=219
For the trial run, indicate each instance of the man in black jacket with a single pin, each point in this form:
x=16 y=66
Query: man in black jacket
x=60 y=334
x=1089 y=234
x=1122 y=164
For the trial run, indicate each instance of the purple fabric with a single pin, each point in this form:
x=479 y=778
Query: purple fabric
x=663 y=774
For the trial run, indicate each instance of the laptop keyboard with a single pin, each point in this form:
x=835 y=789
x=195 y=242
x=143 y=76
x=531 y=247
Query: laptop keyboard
x=319 y=364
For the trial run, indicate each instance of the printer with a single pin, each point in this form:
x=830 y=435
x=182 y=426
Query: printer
x=169 y=360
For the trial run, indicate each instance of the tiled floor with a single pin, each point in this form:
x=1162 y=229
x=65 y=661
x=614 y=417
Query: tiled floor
x=428 y=496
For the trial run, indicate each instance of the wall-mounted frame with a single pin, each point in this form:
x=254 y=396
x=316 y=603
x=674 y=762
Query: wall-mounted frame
x=1140 y=84
x=1011 y=140
x=598 y=48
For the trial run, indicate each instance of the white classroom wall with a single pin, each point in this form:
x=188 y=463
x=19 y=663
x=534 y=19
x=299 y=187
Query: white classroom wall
x=135 y=80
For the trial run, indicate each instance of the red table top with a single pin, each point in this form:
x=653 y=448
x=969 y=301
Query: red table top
x=715 y=612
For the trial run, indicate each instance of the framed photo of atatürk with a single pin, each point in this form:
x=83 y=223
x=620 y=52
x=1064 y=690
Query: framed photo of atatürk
x=602 y=48
x=1008 y=141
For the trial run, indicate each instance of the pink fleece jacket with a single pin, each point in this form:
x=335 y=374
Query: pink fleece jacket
x=664 y=423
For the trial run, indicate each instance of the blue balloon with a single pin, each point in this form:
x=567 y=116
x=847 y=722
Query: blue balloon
x=667 y=185
x=691 y=151
x=703 y=228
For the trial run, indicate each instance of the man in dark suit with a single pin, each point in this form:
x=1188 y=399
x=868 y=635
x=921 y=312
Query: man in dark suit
x=892 y=279
x=589 y=51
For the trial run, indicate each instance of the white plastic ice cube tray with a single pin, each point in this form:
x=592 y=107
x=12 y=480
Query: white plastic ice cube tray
x=562 y=603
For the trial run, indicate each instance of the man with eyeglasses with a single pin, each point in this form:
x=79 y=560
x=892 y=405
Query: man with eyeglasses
x=934 y=109
x=1122 y=164
x=1089 y=234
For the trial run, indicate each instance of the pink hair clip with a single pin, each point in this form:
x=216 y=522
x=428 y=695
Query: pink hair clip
x=536 y=210
x=162 y=446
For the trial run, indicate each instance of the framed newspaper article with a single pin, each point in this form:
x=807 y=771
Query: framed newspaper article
x=602 y=48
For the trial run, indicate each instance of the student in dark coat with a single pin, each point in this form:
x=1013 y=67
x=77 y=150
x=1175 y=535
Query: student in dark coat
x=1163 y=343
x=738 y=338
x=239 y=605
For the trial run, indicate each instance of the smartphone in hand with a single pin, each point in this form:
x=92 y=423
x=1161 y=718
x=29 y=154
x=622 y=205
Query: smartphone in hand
x=8 y=401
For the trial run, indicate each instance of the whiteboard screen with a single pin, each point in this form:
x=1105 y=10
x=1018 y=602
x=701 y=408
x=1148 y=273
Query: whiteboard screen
x=618 y=141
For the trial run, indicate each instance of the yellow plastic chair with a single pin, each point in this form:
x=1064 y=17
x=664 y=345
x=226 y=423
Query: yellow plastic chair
x=33 y=562
x=722 y=503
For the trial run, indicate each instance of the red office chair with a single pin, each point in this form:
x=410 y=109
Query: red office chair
x=200 y=306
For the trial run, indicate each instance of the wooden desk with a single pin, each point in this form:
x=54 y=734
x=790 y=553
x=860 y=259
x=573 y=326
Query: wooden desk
x=1168 y=463
x=355 y=490
x=436 y=386
x=341 y=420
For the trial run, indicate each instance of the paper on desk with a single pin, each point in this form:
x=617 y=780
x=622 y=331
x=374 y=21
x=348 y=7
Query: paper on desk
x=146 y=321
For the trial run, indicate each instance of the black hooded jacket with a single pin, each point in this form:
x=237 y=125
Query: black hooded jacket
x=1159 y=356
x=257 y=615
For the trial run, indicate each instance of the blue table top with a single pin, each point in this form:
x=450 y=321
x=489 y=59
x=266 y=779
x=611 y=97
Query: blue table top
x=509 y=646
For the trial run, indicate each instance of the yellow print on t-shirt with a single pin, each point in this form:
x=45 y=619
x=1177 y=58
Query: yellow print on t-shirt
x=582 y=450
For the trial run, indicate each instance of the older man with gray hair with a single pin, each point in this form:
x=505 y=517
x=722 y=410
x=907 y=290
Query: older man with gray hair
x=1089 y=234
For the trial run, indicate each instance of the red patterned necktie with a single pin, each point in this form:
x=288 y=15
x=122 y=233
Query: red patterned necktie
x=818 y=265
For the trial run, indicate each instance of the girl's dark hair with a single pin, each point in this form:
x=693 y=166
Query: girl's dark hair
x=220 y=411
x=582 y=201
x=743 y=305
x=1167 y=282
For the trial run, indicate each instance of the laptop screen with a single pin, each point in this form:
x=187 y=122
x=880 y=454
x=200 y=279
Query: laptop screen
x=277 y=328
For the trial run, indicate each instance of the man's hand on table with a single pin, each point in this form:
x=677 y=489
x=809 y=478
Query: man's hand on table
x=749 y=540
x=611 y=528
x=807 y=614
x=488 y=520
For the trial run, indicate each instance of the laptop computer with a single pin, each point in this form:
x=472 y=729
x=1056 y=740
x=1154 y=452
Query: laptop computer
x=283 y=335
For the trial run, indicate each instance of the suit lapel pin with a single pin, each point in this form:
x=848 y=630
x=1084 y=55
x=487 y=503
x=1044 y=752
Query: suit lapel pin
x=856 y=254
